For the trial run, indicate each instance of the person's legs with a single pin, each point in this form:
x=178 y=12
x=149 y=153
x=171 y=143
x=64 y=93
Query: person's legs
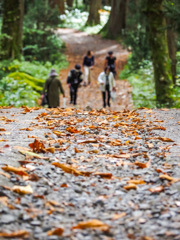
x=104 y=99
x=86 y=74
x=71 y=94
x=89 y=77
x=75 y=94
x=108 y=95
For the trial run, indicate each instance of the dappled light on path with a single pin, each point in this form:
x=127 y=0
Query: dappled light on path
x=78 y=43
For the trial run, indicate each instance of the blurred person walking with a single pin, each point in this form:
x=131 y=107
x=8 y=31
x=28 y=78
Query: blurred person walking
x=111 y=62
x=52 y=88
x=75 y=77
x=107 y=84
x=88 y=64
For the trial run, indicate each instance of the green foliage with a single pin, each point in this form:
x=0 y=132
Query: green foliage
x=17 y=93
x=135 y=35
x=40 y=41
x=142 y=82
x=77 y=19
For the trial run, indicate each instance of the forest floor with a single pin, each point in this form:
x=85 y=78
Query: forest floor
x=77 y=45
x=100 y=174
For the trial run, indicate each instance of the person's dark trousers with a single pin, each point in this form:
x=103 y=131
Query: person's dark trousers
x=108 y=93
x=71 y=94
x=74 y=94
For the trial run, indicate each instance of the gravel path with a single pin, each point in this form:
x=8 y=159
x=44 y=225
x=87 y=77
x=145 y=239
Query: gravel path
x=107 y=175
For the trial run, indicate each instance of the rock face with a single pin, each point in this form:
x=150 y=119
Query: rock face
x=92 y=174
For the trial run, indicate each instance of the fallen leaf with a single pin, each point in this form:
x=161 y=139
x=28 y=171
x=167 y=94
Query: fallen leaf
x=5 y=175
x=20 y=171
x=156 y=189
x=71 y=170
x=117 y=216
x=37 y=146
x=166 y=177
x=78 y=150
x=18 y=234
x=22 y=189
x=130 y=186
x=72 y=130
x=50 y=149
x=103 y=175
x=94 y=224
x=32 y=154
x=164 y=139
x=2 y=129
x=136 y=181
x=56 y=231
x=140 y=164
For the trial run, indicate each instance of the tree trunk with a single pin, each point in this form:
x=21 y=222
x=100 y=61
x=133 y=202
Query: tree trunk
x=172 y=46
x=69 y=3
x=94 y=16
x=159 y=52
x=12 y=27
x=117 y=20
x=58 y=4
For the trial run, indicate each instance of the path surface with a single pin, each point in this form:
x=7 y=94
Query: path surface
x=119 y=168
x=78 y=43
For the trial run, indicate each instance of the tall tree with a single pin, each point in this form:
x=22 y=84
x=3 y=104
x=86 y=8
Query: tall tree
x=94 y=16
x=58 y=4
x=69 y=3
x=117 y=19
x=13 y=13
x=159 y=52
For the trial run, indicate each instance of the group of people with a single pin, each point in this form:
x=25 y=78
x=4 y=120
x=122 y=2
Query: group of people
x=76 y=78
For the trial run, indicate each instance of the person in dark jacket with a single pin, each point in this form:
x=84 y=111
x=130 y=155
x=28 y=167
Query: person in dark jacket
x=111 y=62
x=53 y=87
x=88 y=64
x=75 y=77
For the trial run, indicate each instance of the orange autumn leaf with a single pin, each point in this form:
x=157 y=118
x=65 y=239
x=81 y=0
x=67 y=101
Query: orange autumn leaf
x=22 y=189
x=156 y=189
x=117 y=216
x=50 y=149
x=27 y=129
x=2 y=129
x=71 y=170
x=166 y=177
x=164 y=139
x=130 y=186
x=37 y=146
x=64 y=185
x=57 y=232
x=136 y=181
x=18 y=234
x=20 y=171
x=77 y=150
x=140 y=164
x=103 y=175
x=72 y=130
x=94 y=224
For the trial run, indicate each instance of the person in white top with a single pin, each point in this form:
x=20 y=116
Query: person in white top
x=107 y=84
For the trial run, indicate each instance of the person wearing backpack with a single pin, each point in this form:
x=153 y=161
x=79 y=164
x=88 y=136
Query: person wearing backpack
x=75 y=77
x=52 y=88
x=111 y=62
x=107 y=84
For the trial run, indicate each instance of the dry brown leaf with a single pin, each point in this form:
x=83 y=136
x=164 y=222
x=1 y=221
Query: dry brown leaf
x=20 y=171
x=140 y=164
x=78 y=150
x=5 y=175
x=71 y=170
x=87 y=141
x=64 y=185
x=26 y=129
x=37 y=146
x=2 y=129
x=50 y=149
x=94 y=224
x=117 y=216
x=72 y=130
x=156 y=189
x=130 y=186
x=103 y=175
x=18 y=234
x=22 y=189
x=136 y=181
x=56 y=231
x=164 y=139
x=166 y=177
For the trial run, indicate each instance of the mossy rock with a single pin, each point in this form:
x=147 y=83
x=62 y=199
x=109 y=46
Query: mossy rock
x=35 y=83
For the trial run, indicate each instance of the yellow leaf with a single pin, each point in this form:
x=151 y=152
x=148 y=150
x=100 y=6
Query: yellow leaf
x=23 y=189
x=136 y=181
x=19 y=171
x=130 y=186
x=167 y=177
x=94 y=223
x=18 y=234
